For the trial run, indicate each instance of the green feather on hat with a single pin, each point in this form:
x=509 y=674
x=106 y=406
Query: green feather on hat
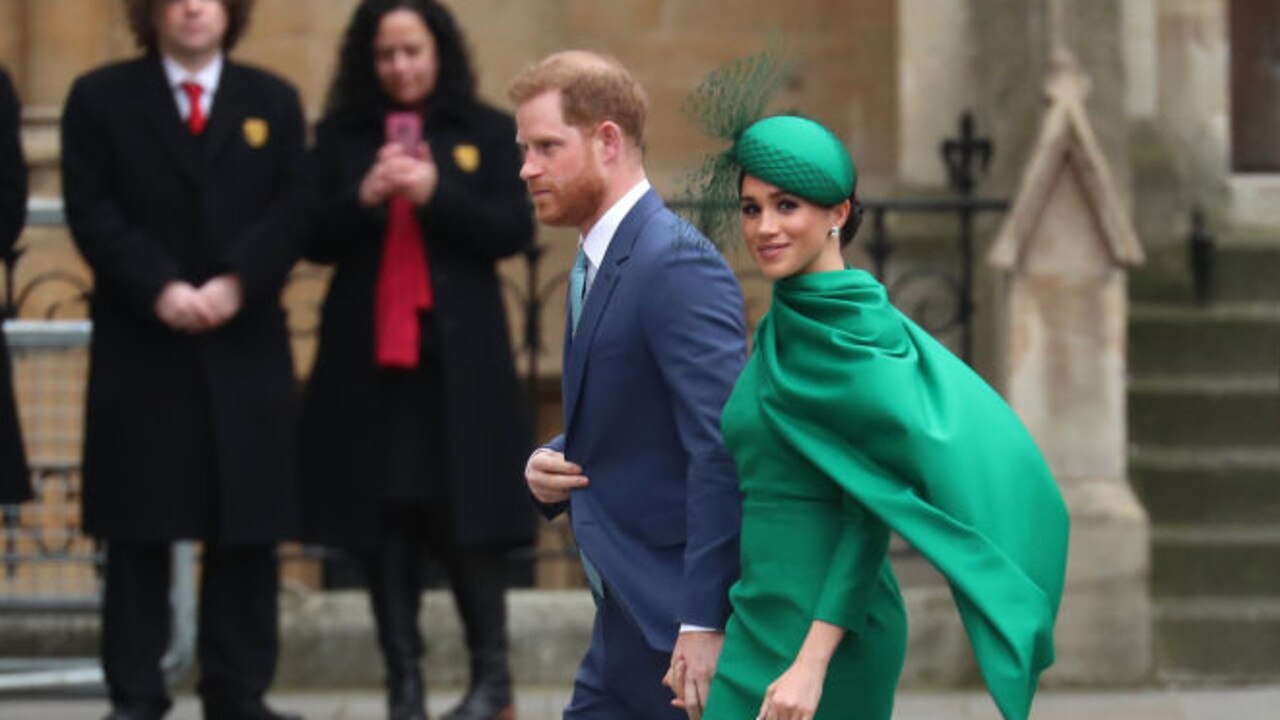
x=791 y=152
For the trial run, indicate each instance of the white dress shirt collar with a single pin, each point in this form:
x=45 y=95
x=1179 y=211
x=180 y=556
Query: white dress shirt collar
x=208 y=78
x=596 y=243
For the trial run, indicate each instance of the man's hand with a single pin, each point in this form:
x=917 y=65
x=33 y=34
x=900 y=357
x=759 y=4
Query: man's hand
x=693 y=662
x=551 y=478
x=180 y=306
x=222 y=295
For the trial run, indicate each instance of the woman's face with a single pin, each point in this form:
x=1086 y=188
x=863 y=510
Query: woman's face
x=404 y=57
x=787 y=235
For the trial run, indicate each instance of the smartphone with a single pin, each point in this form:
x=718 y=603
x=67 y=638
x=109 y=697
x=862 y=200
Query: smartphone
x=405 y=128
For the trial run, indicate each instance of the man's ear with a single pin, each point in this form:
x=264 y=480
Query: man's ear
x=610 y=139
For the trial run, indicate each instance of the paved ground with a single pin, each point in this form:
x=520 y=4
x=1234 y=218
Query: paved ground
x=1253 y=703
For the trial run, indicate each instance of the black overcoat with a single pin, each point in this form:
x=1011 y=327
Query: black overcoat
x=479 y=214
x=15 y=484
x=186 y=435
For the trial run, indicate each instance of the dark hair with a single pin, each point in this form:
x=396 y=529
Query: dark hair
x=356 y=96
x=854 y=220
x=142 y=21
x=851 y=223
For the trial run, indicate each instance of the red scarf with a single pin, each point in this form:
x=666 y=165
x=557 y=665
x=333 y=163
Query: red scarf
x=404 y=289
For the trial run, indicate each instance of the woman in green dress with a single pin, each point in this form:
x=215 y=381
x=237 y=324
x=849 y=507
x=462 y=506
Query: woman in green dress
x=850 y=422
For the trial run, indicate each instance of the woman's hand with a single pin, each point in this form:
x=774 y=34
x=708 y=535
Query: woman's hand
x=377 y=186
x=395 y=172
x=796 y=693
x=416 y=177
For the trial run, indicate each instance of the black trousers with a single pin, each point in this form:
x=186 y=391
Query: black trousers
x=238 y=638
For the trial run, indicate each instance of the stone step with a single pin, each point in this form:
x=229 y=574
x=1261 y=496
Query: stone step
x=1205 y=412
x=1236 y=338
x=1248 y=270
x=1181 y=486
x=327 y=640
x=1221 y=640
x=1208 y=561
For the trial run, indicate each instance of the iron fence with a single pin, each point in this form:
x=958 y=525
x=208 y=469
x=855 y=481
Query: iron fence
x=48 y=566
x=940 y=300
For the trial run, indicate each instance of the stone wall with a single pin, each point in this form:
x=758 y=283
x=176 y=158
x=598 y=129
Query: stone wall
x=1179 y=113
x=846 y=56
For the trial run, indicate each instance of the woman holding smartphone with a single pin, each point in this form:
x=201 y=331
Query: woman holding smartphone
x=413 y=435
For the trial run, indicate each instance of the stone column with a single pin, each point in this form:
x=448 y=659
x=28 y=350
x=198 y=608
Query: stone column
x=64 y=38
x=935 y=85
x=1015 y=38
x=12 y=42
x=1065 y=250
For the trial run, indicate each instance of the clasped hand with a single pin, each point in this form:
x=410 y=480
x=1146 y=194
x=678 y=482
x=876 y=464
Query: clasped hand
x=189 y=309
x=693 y=663
x=397 y=172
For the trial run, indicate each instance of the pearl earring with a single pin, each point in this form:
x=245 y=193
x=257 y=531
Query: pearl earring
x=835 y=231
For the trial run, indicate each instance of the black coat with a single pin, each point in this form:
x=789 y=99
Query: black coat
x=479 y=214
x=186 y=436
x=14 y=481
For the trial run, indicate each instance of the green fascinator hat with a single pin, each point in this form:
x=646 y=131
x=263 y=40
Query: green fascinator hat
x=799 y=156
x=788 y=151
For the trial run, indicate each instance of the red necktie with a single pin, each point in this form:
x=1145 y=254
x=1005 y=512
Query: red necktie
x=195 y=119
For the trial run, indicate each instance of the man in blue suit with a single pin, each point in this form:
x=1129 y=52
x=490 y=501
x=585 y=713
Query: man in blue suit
x=654 y=340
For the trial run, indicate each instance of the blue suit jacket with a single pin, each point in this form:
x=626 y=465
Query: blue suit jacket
x=660 y=343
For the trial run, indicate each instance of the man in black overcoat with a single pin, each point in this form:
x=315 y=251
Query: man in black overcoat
x=182 y=176
x=14 y=480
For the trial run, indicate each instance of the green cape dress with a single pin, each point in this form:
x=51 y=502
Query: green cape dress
x=849 y=422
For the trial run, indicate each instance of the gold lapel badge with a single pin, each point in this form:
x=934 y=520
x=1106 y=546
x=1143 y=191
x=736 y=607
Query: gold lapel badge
x=467 y=157
x=256 y=132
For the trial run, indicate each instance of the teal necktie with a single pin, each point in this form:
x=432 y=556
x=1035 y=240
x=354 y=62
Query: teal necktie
x=577 y=293
x=594 y=581
x=577 y=288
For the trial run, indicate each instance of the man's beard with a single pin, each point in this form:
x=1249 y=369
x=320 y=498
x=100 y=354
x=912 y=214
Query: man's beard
x=576 y=201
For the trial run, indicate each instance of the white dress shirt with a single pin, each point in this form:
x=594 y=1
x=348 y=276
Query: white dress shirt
x=596 y=243
x=207 y=78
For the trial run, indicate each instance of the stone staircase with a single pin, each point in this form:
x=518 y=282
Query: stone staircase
x=1204 y=422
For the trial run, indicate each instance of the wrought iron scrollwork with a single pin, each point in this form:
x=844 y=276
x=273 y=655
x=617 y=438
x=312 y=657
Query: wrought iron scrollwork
x=941 y=303
x=917 y=291
x=931 y=299
x=81 y=292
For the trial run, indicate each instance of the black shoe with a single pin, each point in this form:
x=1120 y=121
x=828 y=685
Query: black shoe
x=491 y=702
x=243 y=710
x=134 y=712
x=406 y=711
x=406 y=698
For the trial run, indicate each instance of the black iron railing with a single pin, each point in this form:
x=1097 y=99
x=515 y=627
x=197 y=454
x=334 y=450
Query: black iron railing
x=941 y=301
x=918 y=289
